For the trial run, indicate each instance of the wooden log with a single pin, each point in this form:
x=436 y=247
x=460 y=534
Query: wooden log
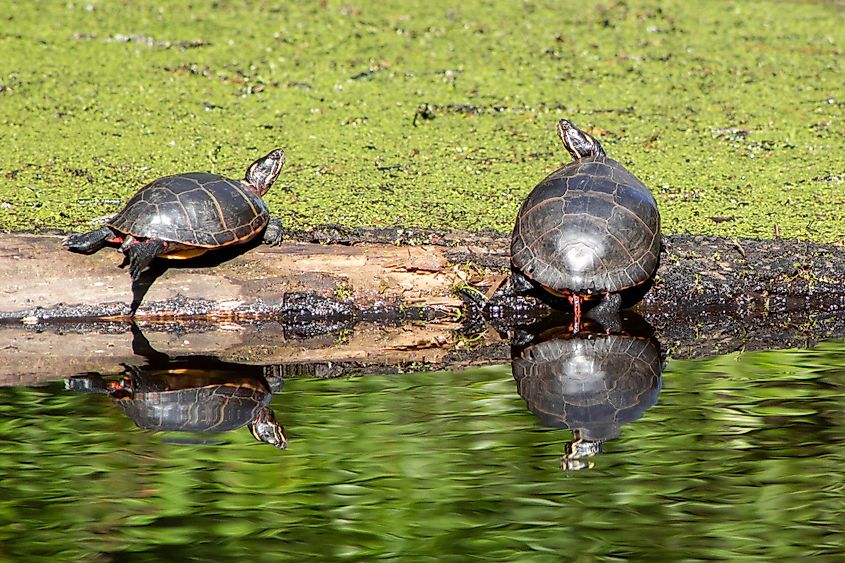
x=307 y=305
x=384 y=273
x=40 y=281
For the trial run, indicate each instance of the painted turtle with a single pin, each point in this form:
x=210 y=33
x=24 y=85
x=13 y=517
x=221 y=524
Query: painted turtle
x=190 y=393
x=205 y=401
x=186 y=215
x=590 y=229
x=590 y=383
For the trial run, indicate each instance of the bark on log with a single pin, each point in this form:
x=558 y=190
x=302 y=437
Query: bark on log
x=59 y=311
x=384 y=273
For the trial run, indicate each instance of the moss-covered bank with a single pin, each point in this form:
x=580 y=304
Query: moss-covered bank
x=433 y=114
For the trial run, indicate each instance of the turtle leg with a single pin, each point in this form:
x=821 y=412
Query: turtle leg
x=520 y=283
x=90 y=242
x=576 y=300
x=141 y=254
x=274 y=233
x=607 y=312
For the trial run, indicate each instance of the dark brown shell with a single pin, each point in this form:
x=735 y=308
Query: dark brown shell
x=195 y=209
x=213 y=408
x=589 y=227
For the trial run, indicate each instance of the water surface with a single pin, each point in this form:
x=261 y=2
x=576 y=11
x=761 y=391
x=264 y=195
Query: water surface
x=741 y=456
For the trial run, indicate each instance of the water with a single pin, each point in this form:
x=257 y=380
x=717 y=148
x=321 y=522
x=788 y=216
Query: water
x=741 y=456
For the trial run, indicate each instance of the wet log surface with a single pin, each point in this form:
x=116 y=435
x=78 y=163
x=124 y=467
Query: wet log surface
x=335 y=301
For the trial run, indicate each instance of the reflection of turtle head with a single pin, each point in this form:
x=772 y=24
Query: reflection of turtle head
x=577 y=453
x=265 y=429
x=591 y=384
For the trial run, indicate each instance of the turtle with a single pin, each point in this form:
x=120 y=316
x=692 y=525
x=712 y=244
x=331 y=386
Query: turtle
x=210 y=401
x=589 y=231
x=190 y=393
x=591 y=383
x=186 y=215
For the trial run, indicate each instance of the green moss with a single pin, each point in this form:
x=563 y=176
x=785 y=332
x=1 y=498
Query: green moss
x=728 y=110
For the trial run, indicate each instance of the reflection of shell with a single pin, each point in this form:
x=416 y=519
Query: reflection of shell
x=595 y=384
x=204 y=408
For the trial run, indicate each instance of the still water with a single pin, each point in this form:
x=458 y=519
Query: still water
x=738 y=456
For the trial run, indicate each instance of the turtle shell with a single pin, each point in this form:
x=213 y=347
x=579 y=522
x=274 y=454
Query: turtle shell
x=593 y=384
x=589 y=227
x=212 y=408
x=196 y=209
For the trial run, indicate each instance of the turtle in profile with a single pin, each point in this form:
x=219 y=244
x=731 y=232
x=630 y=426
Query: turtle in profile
x=589 y=231
x=186 y=215
x=591 y=383
x=191 y=402
x=190 y=394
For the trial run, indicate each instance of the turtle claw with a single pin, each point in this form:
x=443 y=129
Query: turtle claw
x=135 y=269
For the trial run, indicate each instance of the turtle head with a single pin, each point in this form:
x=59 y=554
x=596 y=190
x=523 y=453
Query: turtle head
x=265 y=429
x=263 y=172
x=579 y=143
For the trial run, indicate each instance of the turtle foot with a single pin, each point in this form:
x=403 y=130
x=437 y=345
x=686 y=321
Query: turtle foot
x=90 y=242
x=520 y=284
x=607 y=313
x=274 y=233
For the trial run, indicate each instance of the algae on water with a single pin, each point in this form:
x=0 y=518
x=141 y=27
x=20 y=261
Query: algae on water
x=432 y=114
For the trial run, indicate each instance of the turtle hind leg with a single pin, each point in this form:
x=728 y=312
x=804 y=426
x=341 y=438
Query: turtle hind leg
x=607 y=313
x=90 y=242
x=141 y=254
x=520 y=284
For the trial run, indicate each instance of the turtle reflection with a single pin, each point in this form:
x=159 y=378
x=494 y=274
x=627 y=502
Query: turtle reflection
x=592 y=383
x=190 y=394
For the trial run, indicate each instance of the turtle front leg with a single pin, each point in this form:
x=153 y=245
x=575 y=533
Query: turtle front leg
x=141 y=254
x=274 y=233
x=90 y=242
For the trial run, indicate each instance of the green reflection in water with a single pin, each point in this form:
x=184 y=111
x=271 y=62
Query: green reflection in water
x=742 y=456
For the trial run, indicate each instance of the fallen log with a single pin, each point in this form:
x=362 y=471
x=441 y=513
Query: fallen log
x=336 y=301
x=380 y=274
